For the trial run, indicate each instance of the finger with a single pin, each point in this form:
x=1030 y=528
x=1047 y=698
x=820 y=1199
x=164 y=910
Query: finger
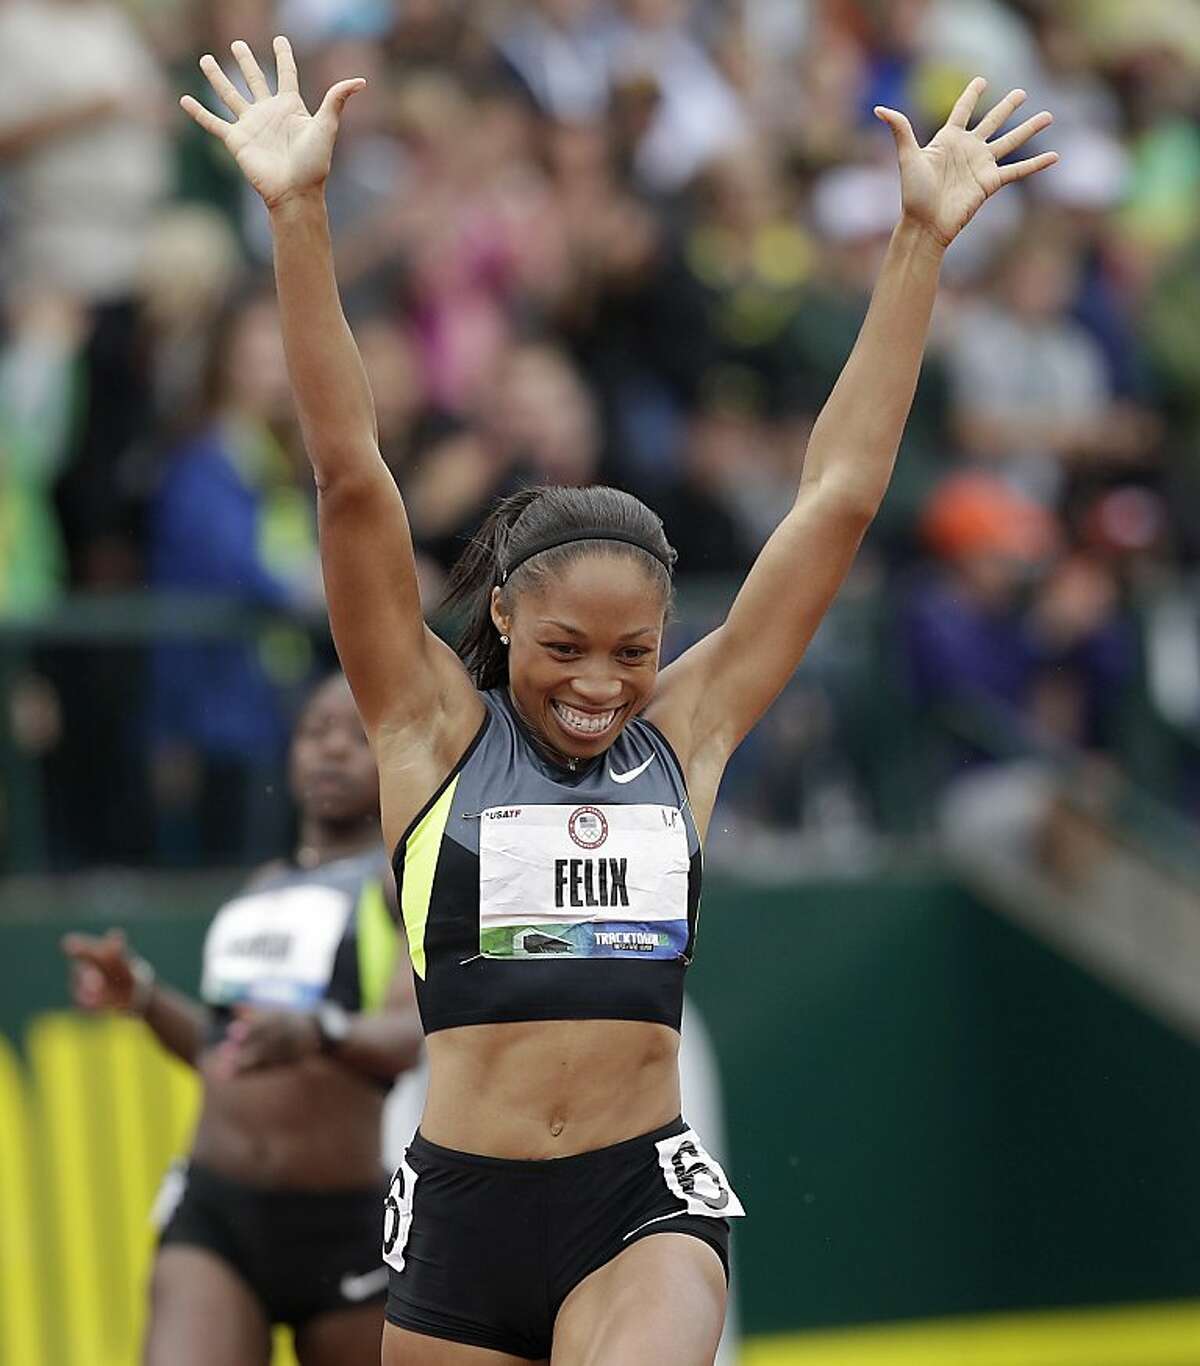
x=205 y=117
x=1018 y=170
x=964 y=106
x=224 y=1063
x=230 y=96
x=1005 y=146
x=906 y=139
x=111 y=951
x=336 y=97
x=90 y=989
x=250 y=69
x=81 y=948
x=286 y=75
x=999 y=114
x=245 y=1058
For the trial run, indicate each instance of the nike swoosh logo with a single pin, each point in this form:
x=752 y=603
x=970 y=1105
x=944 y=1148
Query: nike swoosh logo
x=633 y=772
x=359 y=1287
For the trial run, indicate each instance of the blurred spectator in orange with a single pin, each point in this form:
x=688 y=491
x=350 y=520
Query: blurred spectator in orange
x=1007 y=630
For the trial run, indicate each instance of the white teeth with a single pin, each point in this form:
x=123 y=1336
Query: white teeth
x=580 y=721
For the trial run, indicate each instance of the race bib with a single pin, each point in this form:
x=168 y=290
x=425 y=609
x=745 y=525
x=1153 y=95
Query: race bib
x=696 y=1177
x=275 y=948
x=583 y=882
x=398 y=1214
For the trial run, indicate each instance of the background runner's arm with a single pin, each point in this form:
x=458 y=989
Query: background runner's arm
x=107 y=975
x=179 y=1023
x=387 y=1041
x=380 y=1044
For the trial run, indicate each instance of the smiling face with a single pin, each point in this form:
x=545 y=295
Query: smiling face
x=331 y=767
x=583 y=658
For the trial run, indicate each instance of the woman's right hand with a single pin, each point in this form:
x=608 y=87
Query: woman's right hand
x=280 y=147
x=102 y=976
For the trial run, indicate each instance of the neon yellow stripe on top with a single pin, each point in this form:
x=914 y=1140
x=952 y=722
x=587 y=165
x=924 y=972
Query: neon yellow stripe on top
x=376 y=946
x=420 y=864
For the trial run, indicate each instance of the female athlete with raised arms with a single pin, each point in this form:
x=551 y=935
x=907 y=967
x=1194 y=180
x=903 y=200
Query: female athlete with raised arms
x=547 y=787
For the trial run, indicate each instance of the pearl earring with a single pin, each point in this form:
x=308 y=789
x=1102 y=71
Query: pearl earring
x=504 y=640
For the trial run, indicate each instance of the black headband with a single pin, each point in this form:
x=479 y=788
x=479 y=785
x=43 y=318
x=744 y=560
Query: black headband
x=583 y=533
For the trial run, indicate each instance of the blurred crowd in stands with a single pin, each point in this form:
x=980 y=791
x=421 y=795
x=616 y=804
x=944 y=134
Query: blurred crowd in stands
x=627 y=241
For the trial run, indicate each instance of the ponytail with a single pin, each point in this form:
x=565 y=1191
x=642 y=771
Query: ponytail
x=507 y=552
x=469 y=590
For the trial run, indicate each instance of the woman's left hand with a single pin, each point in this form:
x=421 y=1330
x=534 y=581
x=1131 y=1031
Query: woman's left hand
x=261 y=1037
x=944 y=183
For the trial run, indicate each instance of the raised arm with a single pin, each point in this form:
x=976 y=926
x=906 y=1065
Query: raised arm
x=711 y=696
x=404 y=679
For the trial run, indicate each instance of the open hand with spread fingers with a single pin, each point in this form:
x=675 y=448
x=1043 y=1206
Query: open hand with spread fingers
x=944 y=183
x=280 y=147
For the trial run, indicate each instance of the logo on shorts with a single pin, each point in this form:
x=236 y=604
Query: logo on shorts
x=587 y=827
x=698 y=1179
x=393 y=1211
x=356 y=1288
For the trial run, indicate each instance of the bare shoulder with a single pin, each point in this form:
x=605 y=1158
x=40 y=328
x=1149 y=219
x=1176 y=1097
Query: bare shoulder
x=276 y=868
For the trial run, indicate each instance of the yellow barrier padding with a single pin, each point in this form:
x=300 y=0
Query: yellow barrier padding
x=86 y=1134
x=1134 y=1335
x=21 y=1275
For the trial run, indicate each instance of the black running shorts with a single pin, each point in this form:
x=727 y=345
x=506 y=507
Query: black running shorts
x=303 y=1253
x=484 y=1250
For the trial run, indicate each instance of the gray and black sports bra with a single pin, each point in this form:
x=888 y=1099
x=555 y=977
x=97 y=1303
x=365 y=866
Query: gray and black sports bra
x=534 y=892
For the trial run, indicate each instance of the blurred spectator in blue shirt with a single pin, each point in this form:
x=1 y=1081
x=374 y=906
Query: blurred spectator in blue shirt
x=1005 y=634
x=231 y=519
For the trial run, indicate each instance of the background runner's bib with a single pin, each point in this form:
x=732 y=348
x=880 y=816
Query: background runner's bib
x=303 y=935
x=275 y=947
x=603 y=881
